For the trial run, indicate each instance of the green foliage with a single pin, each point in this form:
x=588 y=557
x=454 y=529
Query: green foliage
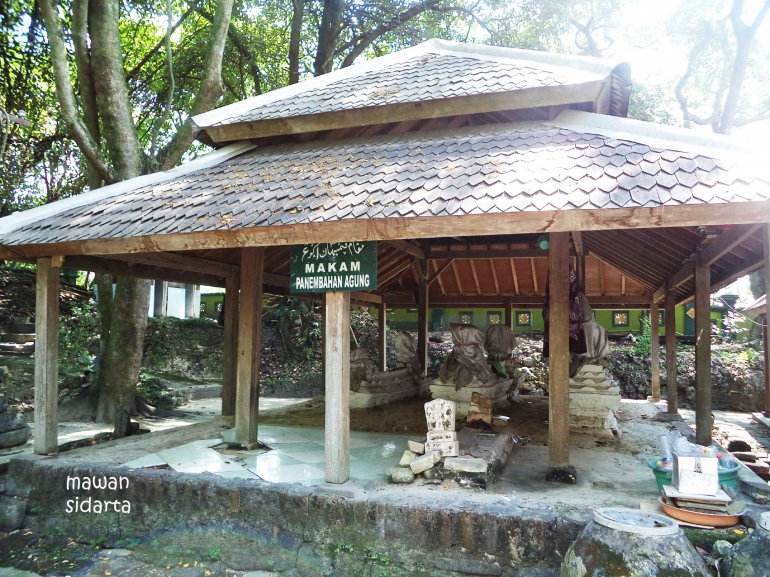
x=197 y=340
x=214 y=554
x=79 y=337
x=642 y=346
x=154 y=392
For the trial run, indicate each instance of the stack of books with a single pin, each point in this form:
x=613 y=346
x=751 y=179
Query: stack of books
x=719 y=504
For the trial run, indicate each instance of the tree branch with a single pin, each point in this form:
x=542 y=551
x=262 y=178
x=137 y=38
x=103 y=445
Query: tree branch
x=240 y=44
x=135 y=70
x=364 y=41
x=681 y=98
x=76 y=128
x=210 y=89
x=86 y=80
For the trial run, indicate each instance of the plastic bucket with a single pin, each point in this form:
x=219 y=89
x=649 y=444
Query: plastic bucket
x=727 y=476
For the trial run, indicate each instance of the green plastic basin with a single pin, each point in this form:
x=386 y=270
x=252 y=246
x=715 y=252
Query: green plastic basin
x=727 y=477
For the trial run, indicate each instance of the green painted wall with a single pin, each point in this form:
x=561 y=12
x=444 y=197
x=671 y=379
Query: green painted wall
x=209 y=305
x=406 y=319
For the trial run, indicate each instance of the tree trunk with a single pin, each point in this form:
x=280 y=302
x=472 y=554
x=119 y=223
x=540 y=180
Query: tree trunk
x=296 y=31
x=328 y=32
x=120 y=371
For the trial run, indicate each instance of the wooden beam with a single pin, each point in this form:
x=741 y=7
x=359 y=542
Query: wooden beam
x=475 y=277
x=715 y=250
x=494 y=276
x=766 y=259
x=672 y=393
x=121 y=268
x=654 y=352
x=230 y=360
x=438 y=270
x=558 y=360
x=577 y=241
x=623 y=284
x=534 y=275
x=249 y=347
x=487 y=253
x=407 y=247
x=46 y=357
x=180 y=262
x=703 y=354
x=457 y=278
x=407 y=111
x=437 y=275
x=509 y=313
x=337 y=378
x=382 y=337
x=394 y=228
x=515 y=277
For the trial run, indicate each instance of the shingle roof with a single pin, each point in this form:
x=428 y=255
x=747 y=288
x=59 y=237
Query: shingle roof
x=531 y=166
x=430 y=71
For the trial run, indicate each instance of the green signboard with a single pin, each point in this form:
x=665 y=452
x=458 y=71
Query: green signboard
x=335 y=266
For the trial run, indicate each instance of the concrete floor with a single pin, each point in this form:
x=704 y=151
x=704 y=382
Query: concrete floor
x=610 y=471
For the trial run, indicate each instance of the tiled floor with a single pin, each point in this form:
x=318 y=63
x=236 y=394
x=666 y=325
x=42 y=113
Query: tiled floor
x=295 y=455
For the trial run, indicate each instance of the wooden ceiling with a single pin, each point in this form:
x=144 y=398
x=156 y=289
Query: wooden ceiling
x=623 y=267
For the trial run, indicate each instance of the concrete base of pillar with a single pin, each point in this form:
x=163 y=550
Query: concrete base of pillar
x=653 y=399
x=566 y=475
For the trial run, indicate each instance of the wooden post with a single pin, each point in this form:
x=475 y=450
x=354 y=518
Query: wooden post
x=422 y=317
x=161 y=298
x=655 y=351
x=509 y=314
x=703 y=354
x=230 y=361
x=337 y=377
x=382 y=336
x=558 y=362
x=249 y=346
x=766 y=238
x=671 y=385
x=47 y=356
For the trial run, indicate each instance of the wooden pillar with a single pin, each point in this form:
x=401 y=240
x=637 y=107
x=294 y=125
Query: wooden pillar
x=558 y=362
x=422 y=317
x=249 y=346
x=703 y=354
x=230 y=361
x=671 y=386
x=160 y=298
x=766 y=237
x=655 y=351
x=47 y=355
x=382 y=336
x=509 y=314
x=337 y=377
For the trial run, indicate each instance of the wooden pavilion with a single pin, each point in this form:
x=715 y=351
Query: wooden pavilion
x=457 y=158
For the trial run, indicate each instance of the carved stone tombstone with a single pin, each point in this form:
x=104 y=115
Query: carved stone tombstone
x=440 y=415
x=442 y=437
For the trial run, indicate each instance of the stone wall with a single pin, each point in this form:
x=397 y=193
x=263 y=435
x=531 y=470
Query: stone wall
x=439 y=536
